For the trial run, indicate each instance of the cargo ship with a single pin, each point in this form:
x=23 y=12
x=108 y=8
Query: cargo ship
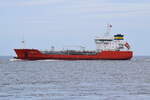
x=108 y=47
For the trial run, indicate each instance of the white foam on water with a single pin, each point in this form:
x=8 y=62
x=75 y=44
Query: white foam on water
x=13 y=59
x=49 y=60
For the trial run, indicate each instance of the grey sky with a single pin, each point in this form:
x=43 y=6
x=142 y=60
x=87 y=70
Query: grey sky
x=65 y=22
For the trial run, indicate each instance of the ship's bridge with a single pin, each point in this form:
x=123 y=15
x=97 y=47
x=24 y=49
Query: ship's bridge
x=108 y=42
x=104 y=43
x=103 y=39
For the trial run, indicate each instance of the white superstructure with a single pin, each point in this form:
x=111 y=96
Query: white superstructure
x=111 y=43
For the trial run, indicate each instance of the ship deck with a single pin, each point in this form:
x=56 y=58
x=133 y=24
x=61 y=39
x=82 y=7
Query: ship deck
x=70 y=52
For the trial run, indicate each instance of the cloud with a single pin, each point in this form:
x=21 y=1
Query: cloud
x=128 y=1
x=8 y=3
x=89 y=6
x=82 y=8
x=91 y=10
x=103 y=9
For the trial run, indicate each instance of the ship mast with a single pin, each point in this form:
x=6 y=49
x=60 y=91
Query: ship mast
x=23 y=42
x=108 y=30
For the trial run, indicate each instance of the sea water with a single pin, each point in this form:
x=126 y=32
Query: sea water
x=75 y=80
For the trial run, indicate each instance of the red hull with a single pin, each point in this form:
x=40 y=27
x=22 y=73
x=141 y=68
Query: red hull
x=34 y=54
